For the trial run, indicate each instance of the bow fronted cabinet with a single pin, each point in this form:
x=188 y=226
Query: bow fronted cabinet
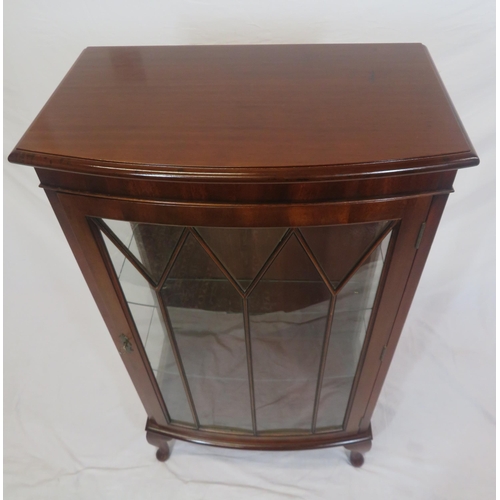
x=252 y=222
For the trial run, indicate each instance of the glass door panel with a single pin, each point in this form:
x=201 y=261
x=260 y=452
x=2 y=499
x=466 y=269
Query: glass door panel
x=353 y=308
x=206 y=316
x=288 y=314
x=251 y=330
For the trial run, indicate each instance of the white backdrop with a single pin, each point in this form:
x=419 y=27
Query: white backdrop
x=73 y=423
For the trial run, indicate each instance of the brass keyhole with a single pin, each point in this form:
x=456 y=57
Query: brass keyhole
x=126 y=344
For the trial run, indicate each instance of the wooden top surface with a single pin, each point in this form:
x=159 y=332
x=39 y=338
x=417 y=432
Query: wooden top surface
x=259 y=113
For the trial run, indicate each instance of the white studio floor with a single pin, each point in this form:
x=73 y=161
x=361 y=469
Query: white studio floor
x=73 y=424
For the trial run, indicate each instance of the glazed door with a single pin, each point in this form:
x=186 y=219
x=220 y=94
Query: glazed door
x=252 y=330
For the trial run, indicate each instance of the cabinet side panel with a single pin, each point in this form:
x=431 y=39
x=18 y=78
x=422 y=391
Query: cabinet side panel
x=86 y=252
x=400 y=265
x=431 y=225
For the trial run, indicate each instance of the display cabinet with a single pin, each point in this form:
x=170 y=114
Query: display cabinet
x=252 y=222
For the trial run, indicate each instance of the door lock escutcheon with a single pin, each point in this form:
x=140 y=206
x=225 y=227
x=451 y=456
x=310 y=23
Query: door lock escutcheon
x=126 y=344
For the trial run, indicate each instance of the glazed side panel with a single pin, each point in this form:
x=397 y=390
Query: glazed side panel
x=389 y=345
x=84 y=247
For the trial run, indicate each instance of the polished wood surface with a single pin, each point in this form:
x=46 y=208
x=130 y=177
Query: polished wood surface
x=249 y=113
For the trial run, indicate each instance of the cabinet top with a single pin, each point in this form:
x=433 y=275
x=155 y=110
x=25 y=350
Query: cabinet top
x=261 y=113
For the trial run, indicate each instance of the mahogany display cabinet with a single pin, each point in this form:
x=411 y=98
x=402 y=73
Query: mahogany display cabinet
x=252 y=222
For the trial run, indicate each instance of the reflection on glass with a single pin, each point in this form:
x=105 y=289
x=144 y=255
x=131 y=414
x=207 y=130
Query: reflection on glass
x=287 y=324
x=350 y=322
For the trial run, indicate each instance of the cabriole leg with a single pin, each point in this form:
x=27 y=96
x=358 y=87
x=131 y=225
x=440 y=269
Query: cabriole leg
x=162 y=443
x=357 y=450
